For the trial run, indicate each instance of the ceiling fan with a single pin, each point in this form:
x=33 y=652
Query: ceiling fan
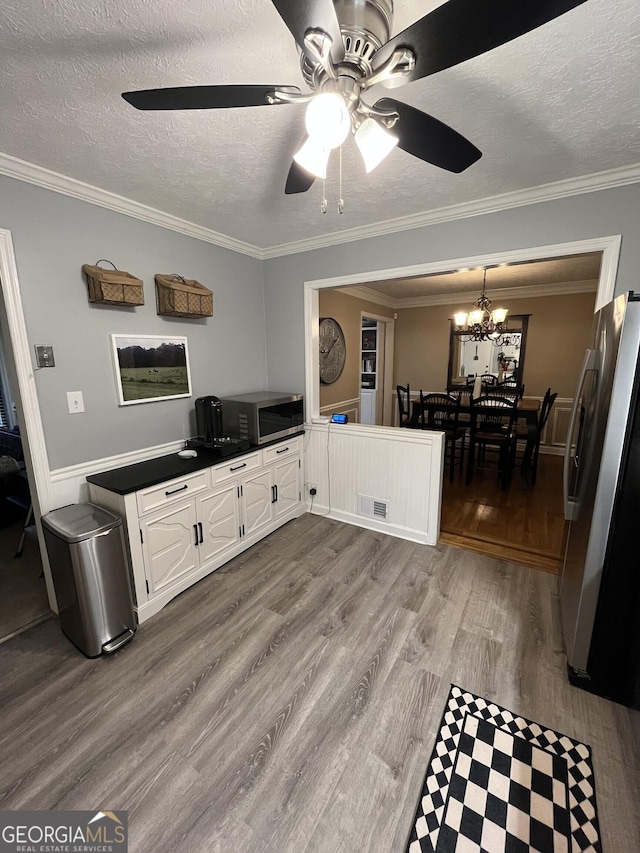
x=345 y=50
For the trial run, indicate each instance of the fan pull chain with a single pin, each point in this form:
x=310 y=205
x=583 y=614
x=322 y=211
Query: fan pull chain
x=340 y=199
x=324 y=203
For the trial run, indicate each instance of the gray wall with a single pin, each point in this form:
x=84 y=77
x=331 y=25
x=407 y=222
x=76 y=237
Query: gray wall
x=599 y=214
x=256 y=337
x=53 y=235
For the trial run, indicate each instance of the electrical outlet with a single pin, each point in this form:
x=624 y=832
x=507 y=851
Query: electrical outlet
x=312 y=486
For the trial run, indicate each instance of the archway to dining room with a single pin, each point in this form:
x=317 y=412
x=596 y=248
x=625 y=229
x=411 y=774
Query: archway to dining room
x=559 y=288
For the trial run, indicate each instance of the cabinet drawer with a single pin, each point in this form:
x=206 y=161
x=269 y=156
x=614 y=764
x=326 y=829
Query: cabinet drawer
x=171 y=490
x=237 y=467
x=281 y=451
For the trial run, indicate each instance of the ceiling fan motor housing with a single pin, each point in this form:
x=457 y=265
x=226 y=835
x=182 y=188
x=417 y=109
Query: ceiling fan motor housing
x=365 y=26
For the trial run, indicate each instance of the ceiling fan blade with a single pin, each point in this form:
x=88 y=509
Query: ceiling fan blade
x=298 y=179
x=204 y=97
x=429 y=139
x=303 y=15
x=462 y=29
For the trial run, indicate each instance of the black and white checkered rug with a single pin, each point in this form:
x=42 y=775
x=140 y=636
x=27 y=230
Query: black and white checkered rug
x=497 y=783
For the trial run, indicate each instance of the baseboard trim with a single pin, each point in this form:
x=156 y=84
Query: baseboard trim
x=370 y=524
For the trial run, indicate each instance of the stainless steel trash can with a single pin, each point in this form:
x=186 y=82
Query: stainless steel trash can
x=86 y=551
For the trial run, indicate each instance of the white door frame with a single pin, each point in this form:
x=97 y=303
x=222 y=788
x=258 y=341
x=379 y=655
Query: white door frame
x=29 y=418
x=609 y=246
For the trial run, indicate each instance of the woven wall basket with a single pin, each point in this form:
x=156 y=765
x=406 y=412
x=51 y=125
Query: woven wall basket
x=179 y=297
x=112 y=287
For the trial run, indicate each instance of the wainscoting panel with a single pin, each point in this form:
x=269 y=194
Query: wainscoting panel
x=351 y=408
x=558 y=422
x=69 y=485
x=380 y=478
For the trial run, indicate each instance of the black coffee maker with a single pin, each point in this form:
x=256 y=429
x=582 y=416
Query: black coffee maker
x=209 y=420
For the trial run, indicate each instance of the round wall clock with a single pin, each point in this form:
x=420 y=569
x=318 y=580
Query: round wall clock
x=333 y=350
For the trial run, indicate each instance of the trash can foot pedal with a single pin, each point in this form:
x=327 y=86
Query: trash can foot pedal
x=118 y=642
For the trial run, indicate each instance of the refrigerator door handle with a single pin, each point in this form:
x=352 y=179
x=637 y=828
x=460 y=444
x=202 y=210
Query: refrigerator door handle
x=570 y=505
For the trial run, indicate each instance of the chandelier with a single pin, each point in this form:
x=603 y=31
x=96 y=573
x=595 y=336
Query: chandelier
x=482 y=324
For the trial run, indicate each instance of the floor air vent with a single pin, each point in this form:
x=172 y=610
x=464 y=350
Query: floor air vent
x=373 y=508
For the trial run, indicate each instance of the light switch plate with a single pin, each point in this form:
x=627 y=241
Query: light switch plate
x=75 y=402
x=44 y=355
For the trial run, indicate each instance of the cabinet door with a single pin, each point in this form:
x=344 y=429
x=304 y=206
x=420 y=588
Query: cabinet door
x=169 y=545
x=287 y=481
x=219 y=515
x=257 y=501
x=367 y=407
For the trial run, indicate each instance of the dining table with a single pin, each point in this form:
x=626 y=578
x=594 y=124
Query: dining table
x=527 y=410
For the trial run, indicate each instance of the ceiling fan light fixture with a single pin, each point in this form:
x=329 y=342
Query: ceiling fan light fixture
x=374 y=142
x=313 y=156
x=327 y=120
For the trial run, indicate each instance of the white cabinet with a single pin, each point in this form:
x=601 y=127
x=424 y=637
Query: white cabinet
x=369 y=371
x=367 y=407
x=256 y=501
x=369 y=354
x=219 y=516
x=169 y=551
x=182 y=537
x=284 y=462
x=180 y=530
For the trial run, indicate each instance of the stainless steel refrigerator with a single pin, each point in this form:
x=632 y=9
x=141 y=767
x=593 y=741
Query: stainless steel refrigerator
x=600 y=583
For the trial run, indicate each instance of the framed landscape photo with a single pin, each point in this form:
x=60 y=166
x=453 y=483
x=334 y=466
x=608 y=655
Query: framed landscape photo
x=150 y=367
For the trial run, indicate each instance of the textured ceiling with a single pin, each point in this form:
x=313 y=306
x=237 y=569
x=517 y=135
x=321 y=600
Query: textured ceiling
x=547 y=272
x=560 y=102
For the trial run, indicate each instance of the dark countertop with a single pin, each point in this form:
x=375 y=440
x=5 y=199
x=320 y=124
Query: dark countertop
x=142 y=475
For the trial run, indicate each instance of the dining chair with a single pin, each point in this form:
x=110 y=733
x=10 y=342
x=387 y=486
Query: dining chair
x=524 y=434
x=441 y=412
x=489 y=380
x=492 y=430
x=508 y=393
x=510 y=386
x=404 y=405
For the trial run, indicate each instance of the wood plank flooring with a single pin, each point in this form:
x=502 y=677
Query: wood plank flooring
x=289 y=702
x=524 y=525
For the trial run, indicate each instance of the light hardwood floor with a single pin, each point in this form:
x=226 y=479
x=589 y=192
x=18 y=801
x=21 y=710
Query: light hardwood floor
x=289 y=702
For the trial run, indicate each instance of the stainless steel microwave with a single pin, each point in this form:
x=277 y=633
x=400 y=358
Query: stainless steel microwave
x=263 y=416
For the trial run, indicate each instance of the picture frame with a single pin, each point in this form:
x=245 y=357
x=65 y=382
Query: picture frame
x=149 y=368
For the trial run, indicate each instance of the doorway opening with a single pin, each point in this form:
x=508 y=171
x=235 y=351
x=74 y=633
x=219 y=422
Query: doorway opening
x=22 y=393
x=432 y=350
x=23 y=592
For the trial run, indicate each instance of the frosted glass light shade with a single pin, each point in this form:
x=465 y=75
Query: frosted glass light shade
x=499 y=315
x=460 y=318
x=374 y=143
x=313 y=157
x=327 y=119
x=476 y=317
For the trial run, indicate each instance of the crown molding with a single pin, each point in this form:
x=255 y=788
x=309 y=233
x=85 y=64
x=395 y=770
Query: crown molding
x=505 y=293
x=31 y=173
x=12 y=167
x=369 y=295
x=493 y=204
